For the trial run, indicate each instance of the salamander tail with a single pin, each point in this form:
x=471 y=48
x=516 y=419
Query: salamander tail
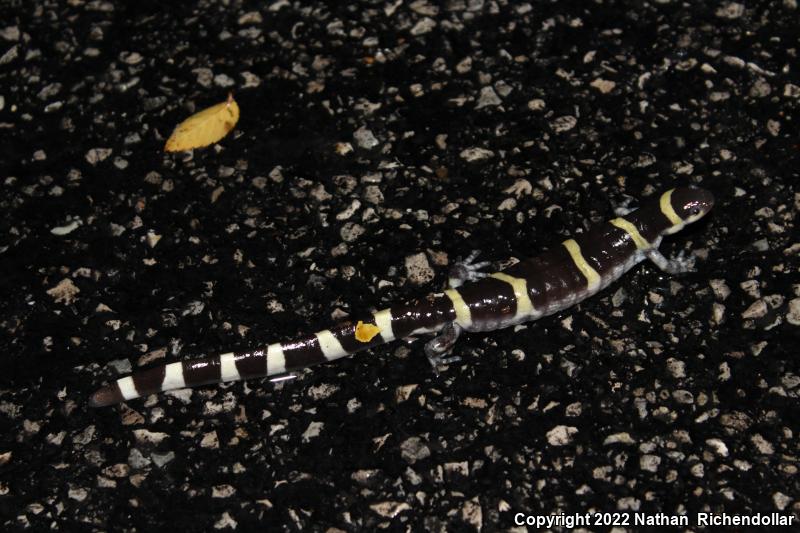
x=278 y=358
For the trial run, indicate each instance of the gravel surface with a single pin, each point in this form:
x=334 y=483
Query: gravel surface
x=379 y=142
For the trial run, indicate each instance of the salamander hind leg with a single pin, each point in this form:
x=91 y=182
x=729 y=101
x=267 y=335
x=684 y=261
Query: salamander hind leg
x=438 y=348
x=466 y=270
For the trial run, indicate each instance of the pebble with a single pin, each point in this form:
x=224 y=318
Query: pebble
x=619 y=438
x=719 y=447
x=78 y=494
x=118 y=470
x=561 y=435
x=520 y=188
x=349 y=211
x=751 y=287
x=312 y=431
x=781 y=500
x=131 y=58
x=389 y=509
x=760 y=89
x=222 y=491
x=250 y=80
x=423 y=26
x=756 y=310
x=717 y=313
x=730 y=10
x=210 y=440
x=373 y=194
x=223 y=80
x=564 y=123
x=403 y=393
x=66 y=229
x=676 y=368
x=56 y=439
x=152 y=238
x=65 y=291
x=131 y=417
x=85 y=437
x=488 y=98
x=604 y=86
x=649 y=462
x=319 y=194
x=719 y=96
x=193 y=308
x=351 y=231
x=136 y=460
x=423 y=7
x=121 y=366
x=321 y=392
x=472 y=514
x=464 y=66
x=96 y=155
x=537 y=104
x=724 y=372
x=793 y=314
x=144 y=436
x=226 y=521
x=507 y=205
x=251 y=17
x=762 y=445
x=414 y=449
x=418 y=269
x=774 y=301
x=339 y=250
x=10 y=33
x=720 y=288
x=49 y=90
x=503 y=88
x=365 y=138
x=343 y=148
x=683 y=396
x=476 y=154
x=160 y=459
x=204 y=76
x=10 y=55
x=773 y=127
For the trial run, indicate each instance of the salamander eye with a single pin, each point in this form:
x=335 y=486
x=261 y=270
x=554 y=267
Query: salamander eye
x=695 y=211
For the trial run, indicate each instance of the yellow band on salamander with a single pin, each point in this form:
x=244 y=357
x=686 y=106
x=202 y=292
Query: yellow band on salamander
x=463 y=314
x=630 y=229
x=591 y=275
x=666 y=208
x=520 y=287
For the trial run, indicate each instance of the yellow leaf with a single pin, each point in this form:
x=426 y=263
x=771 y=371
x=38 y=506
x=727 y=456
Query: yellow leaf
x=366 y=332
x=205 y=127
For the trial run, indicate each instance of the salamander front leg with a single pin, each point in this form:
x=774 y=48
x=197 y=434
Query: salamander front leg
x=679 y=264
x=437 y=348
x=466 y=270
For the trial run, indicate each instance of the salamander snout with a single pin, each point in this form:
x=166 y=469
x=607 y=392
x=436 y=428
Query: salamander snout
x=691 y=203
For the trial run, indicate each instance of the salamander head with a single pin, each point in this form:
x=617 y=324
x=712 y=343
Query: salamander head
x=684 y=205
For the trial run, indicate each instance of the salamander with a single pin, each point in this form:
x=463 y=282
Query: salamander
x=475 y=301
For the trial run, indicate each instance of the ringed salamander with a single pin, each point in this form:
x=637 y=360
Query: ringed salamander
x=475 y=301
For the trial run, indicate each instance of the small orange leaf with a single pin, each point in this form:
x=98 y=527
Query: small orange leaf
x=204 y=127
x=366 y=332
